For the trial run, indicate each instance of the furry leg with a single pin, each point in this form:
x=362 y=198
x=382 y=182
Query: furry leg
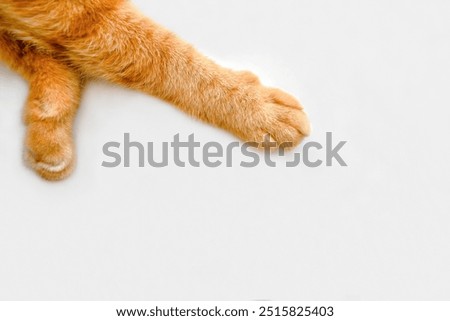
x=132 y=51
x=50 y=109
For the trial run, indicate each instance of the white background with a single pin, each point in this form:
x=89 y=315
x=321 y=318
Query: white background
x=375 y=73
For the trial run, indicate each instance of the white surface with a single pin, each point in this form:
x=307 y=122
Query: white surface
x=373 y=73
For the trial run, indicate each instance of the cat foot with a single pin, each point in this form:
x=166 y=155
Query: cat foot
x=50 y=171
x=49 y=151
x=279 y=116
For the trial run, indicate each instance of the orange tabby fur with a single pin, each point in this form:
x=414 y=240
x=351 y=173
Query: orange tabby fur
x=58 y=44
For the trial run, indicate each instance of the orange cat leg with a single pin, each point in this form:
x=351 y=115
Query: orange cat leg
x=135 y=52
x=50 y=109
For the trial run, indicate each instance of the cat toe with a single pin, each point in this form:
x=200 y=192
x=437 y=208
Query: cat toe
x=50 y=170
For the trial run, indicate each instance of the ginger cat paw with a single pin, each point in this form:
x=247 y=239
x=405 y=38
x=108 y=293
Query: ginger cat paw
x=56 y=54
x=288 y=121
x=49 y=150
x=276 y=114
